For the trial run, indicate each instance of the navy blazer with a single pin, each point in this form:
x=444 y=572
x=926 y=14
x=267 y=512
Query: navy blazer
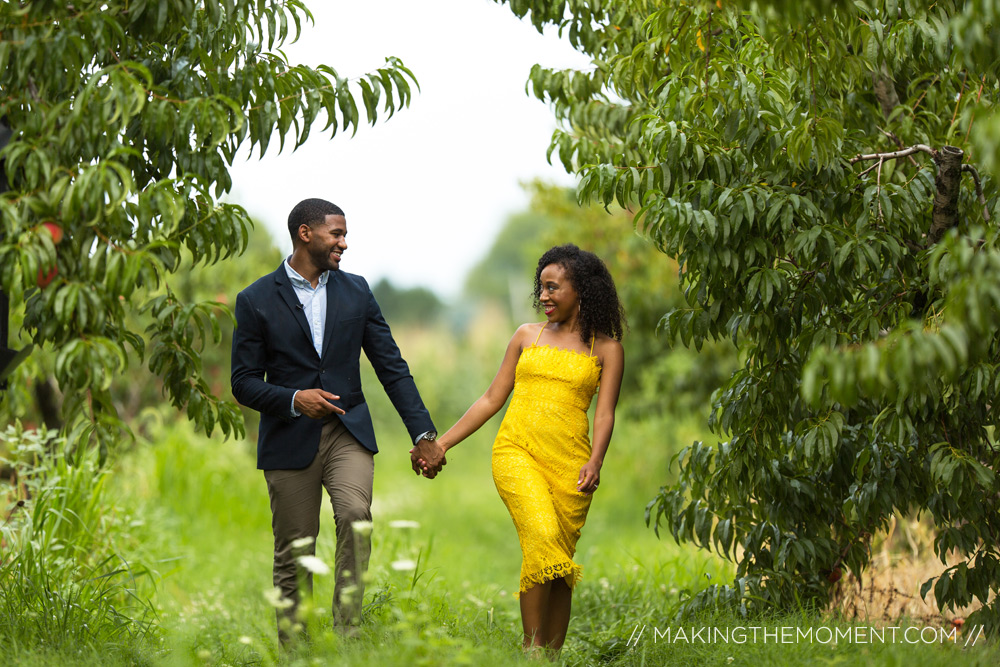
x=273 y=356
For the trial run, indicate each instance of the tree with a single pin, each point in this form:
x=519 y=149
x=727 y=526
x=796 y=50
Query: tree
x=504 y=275
x=126 y=116
x=407 y=305
x=35 y=399
x=824 y=173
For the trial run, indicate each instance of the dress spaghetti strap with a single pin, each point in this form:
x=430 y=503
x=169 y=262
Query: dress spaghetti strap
x=540 y=332
x=592 y=339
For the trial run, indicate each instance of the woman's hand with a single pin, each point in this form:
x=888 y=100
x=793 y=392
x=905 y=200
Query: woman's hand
x=590 y=477
x=420 y=465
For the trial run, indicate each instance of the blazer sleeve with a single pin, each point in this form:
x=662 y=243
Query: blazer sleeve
x=393 y=372
x=249 y=365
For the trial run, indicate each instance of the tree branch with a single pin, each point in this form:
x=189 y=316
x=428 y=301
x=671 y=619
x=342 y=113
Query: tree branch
x=946 y=199
x=899 y=144
x=979 y=189
x=895 y=154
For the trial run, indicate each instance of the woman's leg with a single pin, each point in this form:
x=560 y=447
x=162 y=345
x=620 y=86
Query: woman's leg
x=545 y=611
x=556 y=619
x=534 y=612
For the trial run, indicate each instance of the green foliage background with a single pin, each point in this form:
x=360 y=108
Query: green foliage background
x=126 y=117
x=185 y=523
x=864 y=300
x=861 y=293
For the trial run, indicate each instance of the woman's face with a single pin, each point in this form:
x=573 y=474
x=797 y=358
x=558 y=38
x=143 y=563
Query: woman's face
x=558 y=296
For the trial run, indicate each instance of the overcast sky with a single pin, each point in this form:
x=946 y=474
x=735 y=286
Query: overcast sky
x=426 y=192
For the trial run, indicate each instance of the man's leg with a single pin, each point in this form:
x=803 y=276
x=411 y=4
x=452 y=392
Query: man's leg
x=295 y=501
x=348 y=474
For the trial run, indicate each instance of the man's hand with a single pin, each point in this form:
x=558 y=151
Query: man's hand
x=427 y=458
x=316 y=403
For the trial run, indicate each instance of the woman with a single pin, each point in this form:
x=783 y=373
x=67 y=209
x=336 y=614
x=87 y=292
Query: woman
x=544 y=465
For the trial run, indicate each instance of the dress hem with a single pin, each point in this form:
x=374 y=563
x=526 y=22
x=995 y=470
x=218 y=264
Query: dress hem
x=569 y=571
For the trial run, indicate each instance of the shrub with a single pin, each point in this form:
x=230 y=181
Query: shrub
x=65 y=582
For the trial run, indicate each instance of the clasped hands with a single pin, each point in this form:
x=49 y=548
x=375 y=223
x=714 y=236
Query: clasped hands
x=427 y=458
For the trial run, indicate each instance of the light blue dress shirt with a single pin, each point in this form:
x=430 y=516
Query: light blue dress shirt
x=313 y=300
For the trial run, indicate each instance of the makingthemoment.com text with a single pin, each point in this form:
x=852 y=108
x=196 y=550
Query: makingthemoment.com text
x=861 y=634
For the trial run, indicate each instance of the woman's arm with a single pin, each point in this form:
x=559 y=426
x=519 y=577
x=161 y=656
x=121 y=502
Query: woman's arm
x=612 y=358
x=486 y=405
x=496 y=395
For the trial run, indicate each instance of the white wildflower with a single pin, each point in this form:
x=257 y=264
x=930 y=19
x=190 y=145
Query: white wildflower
x=347 y=594
x=404 y=524
x=276 y=600
x=362 y=527
x=404 y=564
x=313 y=564
x=303 y=542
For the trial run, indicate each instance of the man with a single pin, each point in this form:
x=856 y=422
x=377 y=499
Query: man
x=296 y=353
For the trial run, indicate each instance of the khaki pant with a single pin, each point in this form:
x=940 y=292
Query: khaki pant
x=346 y=469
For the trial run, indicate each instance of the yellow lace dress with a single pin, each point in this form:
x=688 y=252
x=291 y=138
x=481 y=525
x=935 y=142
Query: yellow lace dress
x=542 y=443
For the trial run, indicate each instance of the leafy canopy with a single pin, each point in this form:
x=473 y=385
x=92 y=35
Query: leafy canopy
x=758 y=144
x=125 y=118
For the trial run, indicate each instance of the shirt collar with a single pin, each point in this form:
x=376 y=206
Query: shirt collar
x=299 y=281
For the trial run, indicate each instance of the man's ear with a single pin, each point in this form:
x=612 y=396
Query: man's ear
x=305 y=233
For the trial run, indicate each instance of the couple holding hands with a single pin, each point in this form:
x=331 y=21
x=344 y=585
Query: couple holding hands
x=296 y=359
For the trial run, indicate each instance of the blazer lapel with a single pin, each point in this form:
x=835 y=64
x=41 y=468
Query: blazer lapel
x=287 y=293
x=332 y=308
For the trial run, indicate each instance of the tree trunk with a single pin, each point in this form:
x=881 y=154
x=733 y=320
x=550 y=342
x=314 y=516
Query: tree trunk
x=885 y=90
x=949 y=175
x=48 y=402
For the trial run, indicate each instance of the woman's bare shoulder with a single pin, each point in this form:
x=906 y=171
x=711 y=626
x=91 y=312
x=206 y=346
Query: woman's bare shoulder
x=605 y=346
x=528 y=330
x=607 y=342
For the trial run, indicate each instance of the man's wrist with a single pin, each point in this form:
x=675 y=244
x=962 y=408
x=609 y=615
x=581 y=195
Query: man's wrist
x=426 y=435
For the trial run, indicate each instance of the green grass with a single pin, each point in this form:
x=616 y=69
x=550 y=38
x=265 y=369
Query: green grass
x=65 y=585
x=195 y=511
x=207 y=517
x=206 y=507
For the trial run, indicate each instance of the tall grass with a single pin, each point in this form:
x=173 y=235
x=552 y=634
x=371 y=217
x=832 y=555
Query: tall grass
x=445 y=561
x=66 y=586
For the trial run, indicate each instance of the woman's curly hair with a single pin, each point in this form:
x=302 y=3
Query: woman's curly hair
x=600 y=309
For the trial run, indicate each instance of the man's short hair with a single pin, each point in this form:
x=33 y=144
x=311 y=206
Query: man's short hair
x=310 y=212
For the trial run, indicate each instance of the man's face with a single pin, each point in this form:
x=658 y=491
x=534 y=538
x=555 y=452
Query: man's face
x=327 y=242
